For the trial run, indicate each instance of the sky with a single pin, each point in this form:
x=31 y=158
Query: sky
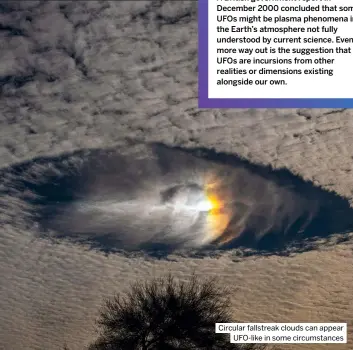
x=85 y=82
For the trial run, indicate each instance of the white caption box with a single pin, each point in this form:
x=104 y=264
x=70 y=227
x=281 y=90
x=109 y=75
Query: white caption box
x=284 y=333
x=264 y=37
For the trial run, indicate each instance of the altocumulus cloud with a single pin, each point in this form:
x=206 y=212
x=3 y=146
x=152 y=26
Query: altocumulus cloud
x=86 y=74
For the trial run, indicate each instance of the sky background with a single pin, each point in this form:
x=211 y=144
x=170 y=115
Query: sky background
x=77 y=76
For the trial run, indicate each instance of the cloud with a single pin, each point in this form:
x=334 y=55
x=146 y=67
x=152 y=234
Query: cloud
x=82 y=75
x=152 y=198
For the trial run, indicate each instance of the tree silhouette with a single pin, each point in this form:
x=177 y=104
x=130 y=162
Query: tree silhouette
x=167 y=315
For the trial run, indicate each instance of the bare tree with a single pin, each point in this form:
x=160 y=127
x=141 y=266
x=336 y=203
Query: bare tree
x=167 y=315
